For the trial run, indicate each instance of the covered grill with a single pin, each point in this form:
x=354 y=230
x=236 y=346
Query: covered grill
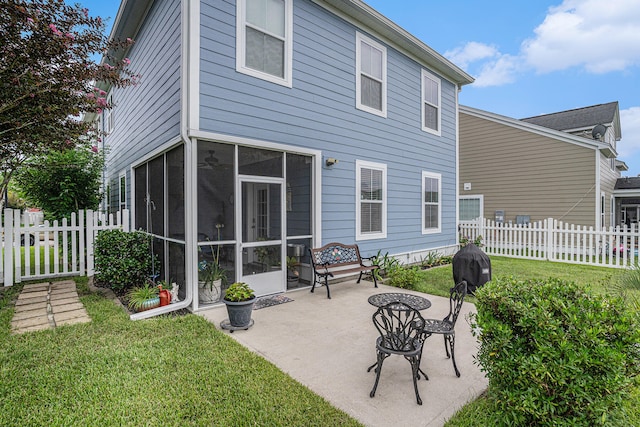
x=472 y=265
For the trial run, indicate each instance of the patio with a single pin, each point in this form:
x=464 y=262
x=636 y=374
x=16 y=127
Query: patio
x=327 y=345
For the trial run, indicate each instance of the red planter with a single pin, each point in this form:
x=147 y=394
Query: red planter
x=165 y=297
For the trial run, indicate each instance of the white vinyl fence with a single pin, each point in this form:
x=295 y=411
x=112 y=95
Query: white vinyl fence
x=554 y=240
x=62 y=248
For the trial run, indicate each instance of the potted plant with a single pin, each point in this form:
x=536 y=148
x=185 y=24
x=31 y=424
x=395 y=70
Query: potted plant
x=211 y=278
x=142 y=298
x=164 y=291
x=293 y=275
x=239 y=298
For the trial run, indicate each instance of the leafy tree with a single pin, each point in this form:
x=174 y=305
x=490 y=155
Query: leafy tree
x=47 y=78
x=62 y=182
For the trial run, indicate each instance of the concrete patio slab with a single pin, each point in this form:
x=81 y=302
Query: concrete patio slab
x=327 y=345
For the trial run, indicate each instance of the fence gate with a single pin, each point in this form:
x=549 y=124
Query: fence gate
x=62 y=248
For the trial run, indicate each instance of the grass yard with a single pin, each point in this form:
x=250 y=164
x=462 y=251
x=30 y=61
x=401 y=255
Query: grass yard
x=182 y=371
x=169 y=371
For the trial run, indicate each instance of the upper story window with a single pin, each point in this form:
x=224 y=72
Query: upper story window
x=371 y=76
x=431 y=191
x=122 y=190
x=430 y=103
x=371 y=204
x=264 y=34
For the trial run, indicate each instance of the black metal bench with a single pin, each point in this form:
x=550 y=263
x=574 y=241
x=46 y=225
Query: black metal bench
x=337 y=258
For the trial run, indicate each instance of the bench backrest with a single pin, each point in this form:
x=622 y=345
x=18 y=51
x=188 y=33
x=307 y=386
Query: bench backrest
x=336 y=255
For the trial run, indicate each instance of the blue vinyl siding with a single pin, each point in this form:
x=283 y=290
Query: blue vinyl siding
x=148 y=115
x=319 y=112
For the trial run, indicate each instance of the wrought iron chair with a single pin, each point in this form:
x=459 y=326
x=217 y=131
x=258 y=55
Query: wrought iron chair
x=400 y=328
x=446 y=326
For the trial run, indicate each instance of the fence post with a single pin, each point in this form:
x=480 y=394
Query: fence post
x=548 y=225
x=90 y=221
x=8 y=247
x=125 y=220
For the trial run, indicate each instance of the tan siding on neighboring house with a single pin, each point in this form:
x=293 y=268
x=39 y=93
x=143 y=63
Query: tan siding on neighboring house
x=608 y=179
x=524 y=173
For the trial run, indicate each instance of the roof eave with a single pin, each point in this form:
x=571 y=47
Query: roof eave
x=380 y=25
x=540 y=130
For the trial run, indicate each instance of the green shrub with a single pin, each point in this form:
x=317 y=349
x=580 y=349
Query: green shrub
x=405 y=277
x=122 y=259
x=554 y=353
x=385 y=262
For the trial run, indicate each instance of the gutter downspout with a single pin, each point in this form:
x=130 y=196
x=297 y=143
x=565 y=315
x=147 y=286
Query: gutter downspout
x=187 y=9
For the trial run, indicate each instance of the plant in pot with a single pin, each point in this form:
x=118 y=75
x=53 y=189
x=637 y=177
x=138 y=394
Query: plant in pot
x=142 y=298
x=293 y=275
x=239 y=298
x=164 y=291
x=211 y=278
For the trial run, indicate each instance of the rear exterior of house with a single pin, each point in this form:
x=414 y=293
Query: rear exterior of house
x=263 y=128
x=515 y=171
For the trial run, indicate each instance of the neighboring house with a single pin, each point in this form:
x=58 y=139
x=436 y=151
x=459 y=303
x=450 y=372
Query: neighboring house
x=550 y=166
x=263 y=126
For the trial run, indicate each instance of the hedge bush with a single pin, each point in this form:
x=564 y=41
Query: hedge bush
x=122 y=259
x=554 y=353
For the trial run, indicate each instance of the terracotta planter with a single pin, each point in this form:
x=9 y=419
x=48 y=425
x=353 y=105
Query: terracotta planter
x=165 y=297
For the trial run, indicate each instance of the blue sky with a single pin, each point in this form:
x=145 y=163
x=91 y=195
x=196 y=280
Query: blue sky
x=528 y=57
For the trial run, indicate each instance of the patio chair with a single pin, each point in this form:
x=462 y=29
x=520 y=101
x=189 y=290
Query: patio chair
x=400 y=331
x=446 y=326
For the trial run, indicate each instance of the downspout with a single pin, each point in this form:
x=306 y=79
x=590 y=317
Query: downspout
x=188 y=8
x=457 y=204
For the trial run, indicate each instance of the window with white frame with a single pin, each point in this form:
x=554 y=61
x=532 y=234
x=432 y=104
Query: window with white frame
x=470 y=208
x=264 y=34
x=371 y=203
x=108 y=115
x=602 y=221
x=431 y=190
x=371 y=76
x=122 y=191
x=430 y=103
x=612 y=212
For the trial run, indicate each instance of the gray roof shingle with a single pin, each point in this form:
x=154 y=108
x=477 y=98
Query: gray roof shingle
x=578 y=118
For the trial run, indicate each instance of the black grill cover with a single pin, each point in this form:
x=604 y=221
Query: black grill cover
x=472 y=265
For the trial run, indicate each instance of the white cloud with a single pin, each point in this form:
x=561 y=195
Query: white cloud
x=470 y=52
x=492 y=68
x=629 y=146
x=498 y=72
x=599 y=35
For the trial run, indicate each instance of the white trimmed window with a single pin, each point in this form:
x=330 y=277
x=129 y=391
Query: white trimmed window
x=264 y=35
x=470 y=208
x=108 y=115
x=371 y=203
x=430 y=103
x=371 y=76
x=602 y=210
x=612 y=211
x=431 y=206
x=122 y=190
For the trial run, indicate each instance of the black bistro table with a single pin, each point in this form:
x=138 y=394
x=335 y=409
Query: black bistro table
x=414 y=301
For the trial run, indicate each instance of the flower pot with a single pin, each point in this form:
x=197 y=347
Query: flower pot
x=240 y=312
x=208 y=293
x=165 y=297
x=149 y=304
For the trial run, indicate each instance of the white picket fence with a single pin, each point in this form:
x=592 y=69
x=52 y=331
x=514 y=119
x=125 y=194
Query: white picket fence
x=61 y=248
x=554 y=240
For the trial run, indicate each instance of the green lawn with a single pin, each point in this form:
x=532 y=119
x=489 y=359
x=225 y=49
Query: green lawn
x=169 y=371
x=183 y=371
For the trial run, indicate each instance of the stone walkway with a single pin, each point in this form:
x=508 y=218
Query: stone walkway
x=48 y=305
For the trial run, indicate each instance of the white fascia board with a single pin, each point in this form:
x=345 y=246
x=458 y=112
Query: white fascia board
x=529 y=127
x=363 y=16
